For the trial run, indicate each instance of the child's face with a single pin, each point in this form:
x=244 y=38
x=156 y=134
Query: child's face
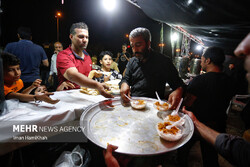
x=12 y=74
x=106 y=61
x=124 y=48
x=41 y=89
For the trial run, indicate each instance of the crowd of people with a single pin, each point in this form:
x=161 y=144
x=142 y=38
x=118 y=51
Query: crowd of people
x=142 y=75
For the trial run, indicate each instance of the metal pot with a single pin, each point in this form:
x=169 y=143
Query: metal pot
x=181 y=64
x=195 y=66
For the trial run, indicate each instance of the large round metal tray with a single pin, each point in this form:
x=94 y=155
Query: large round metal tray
x=133 y=131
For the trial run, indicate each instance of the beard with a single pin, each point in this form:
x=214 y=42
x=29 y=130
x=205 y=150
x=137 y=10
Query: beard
x=141 y=56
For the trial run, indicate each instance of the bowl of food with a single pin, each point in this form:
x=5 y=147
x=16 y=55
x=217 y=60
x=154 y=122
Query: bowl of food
x=113 y=86
x=169 y=132
x=138 y=104
x=162 y=105
x=175 y=119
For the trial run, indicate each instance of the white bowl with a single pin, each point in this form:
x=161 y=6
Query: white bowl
x=162 y=107
x=138 y=104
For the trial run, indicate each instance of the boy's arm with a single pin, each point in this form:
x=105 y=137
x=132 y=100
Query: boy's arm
x=28 y=90
x=34 y=85
x=117 y=58
x=21 y=96
x=27 y=97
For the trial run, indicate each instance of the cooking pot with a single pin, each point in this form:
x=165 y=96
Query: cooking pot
x=195 y=66
x=181 y=64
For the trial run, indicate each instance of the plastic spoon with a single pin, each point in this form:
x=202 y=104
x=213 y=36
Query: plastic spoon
x=175 y=123
x=127 y=97
x=161 y=102
x=131 y=100
x=178 y=107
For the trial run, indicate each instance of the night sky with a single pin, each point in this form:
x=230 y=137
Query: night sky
x=107 y=30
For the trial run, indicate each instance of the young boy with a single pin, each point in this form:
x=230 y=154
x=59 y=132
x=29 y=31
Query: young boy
x=13 y=84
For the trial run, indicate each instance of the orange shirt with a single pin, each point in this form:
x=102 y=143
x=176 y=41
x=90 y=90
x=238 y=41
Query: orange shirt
x=13 y=88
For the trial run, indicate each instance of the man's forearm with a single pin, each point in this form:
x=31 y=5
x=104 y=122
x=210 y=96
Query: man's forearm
x=82 y=80
x=207 y=133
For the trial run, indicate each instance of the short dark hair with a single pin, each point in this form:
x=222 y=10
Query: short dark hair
x=9 y=60
x=141 y=31
x=216 y=55
x=103 y=53
x=80 y=25
x=24 y=32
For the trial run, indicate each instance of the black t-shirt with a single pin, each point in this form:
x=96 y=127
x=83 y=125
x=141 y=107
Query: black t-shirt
x=122 y=62
x=214 y=92
x=146 y=78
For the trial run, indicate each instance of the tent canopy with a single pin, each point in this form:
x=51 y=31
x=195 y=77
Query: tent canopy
x=222 y=23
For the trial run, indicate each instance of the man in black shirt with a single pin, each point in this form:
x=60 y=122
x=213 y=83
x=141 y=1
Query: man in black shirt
x=149 y=71
x=208 y=96
x=233 y=148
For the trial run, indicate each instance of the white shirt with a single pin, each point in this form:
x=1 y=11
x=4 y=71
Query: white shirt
x=53 y=65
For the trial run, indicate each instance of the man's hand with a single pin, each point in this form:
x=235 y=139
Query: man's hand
x=101 y=88
x=190 y=114
x=125 y=89
x=65 y=85
x=110 y=160
x=175 y=97
x=201 y=129
x=45 y=97
x=113 y=161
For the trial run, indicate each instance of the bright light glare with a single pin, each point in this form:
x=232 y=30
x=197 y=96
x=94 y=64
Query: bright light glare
x=199 y=47
x=174 y=36
x=109 y=5
x=189 y=2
